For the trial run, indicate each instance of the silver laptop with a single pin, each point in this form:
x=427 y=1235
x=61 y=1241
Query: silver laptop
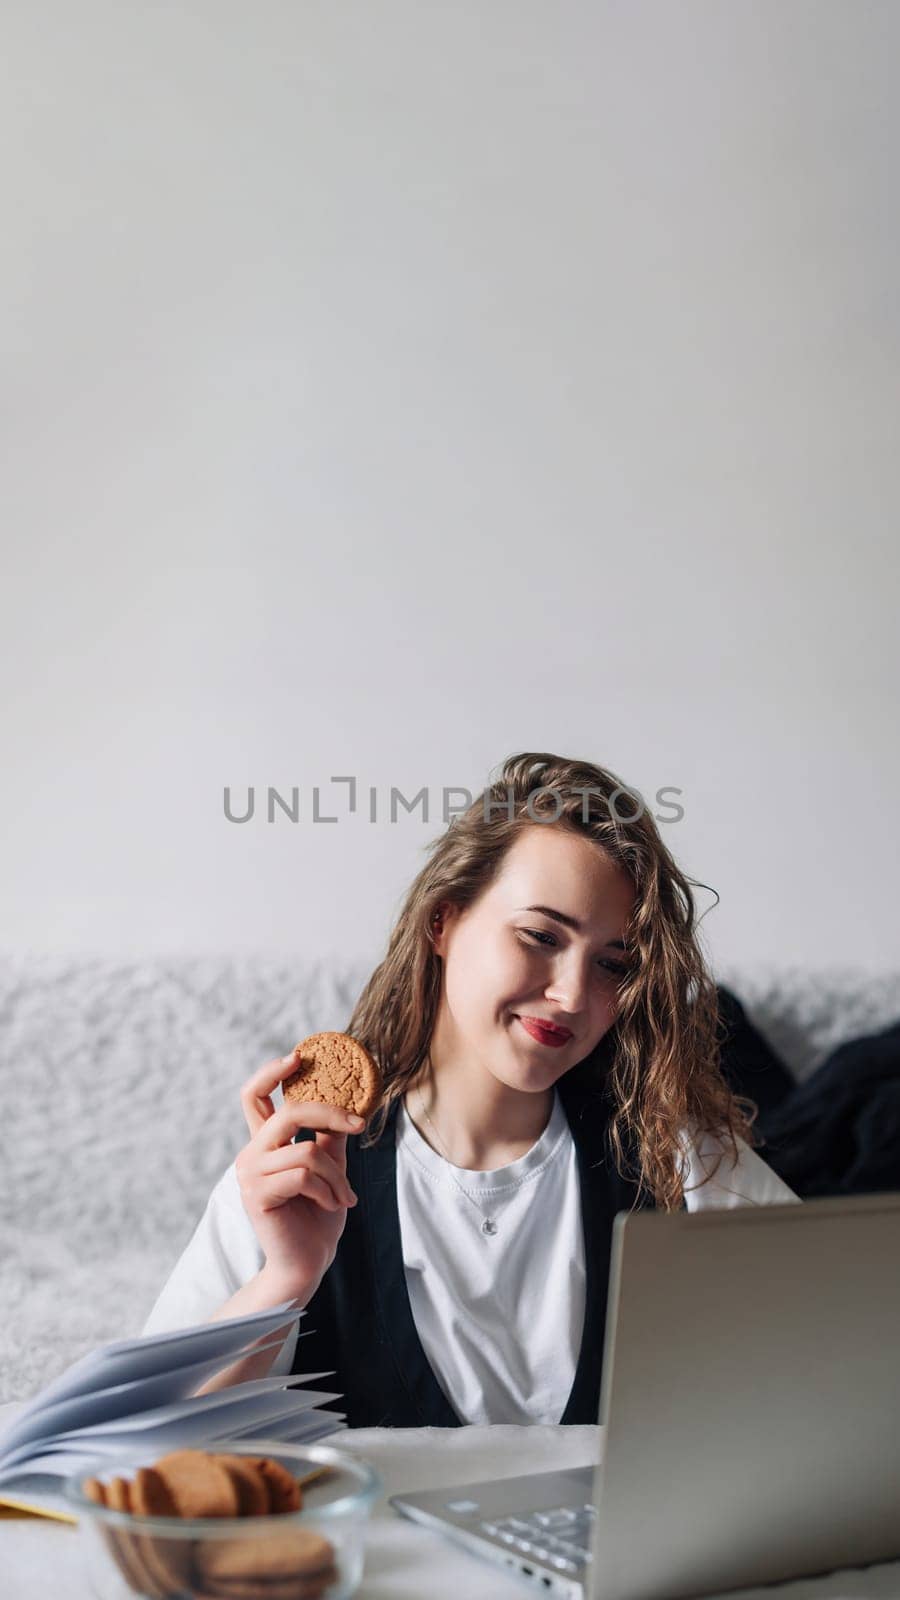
x=751 y=1402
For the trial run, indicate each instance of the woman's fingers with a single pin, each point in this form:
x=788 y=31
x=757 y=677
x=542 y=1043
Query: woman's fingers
x=280 y=1128
x=256 y=1093
x=259 y=1109
x=316 y=1160
x=297 y=1181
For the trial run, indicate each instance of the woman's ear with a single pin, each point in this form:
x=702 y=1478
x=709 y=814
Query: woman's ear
x=439 y=919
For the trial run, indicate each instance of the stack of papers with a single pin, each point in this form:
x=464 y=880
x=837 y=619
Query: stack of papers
x=135 y=1400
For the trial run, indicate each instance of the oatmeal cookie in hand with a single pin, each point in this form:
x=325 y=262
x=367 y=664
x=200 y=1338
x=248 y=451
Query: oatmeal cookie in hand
x=337 y=1071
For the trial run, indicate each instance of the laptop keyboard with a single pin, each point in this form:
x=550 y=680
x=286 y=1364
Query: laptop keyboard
x=561 y=1538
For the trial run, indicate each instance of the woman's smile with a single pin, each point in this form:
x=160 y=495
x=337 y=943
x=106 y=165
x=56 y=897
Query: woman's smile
x=545 y=1033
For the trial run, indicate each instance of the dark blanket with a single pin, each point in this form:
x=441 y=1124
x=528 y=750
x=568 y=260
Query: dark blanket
x=749 y=1063
x=837 y=1133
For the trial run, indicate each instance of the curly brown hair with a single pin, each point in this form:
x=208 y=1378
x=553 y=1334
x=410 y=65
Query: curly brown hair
x=663 y=1074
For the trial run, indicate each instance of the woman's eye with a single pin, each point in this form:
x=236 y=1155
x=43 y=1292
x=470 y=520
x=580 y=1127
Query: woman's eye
x=547 y=938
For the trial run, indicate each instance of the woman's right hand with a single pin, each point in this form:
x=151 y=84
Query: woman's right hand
x=296 y=1195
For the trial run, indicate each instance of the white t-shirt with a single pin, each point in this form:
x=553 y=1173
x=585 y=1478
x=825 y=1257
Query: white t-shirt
x=488 y=1339
x=499 y=1314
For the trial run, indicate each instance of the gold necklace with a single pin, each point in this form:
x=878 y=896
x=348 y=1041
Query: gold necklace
x=488 y=1226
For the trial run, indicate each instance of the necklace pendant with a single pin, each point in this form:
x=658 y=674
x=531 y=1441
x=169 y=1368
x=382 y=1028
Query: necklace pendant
x=488 y=1225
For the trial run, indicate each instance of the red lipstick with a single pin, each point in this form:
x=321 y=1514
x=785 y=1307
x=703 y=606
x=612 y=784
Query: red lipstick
x=545 y=1033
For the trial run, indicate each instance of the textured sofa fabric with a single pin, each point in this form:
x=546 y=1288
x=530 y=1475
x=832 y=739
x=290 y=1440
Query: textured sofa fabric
x=120 y=1082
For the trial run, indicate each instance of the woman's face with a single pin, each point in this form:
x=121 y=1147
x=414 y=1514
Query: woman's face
x=504 y=962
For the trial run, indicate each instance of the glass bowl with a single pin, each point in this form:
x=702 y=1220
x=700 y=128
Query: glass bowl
x=234 y=1558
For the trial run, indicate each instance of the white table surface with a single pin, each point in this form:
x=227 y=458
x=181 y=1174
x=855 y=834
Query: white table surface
x=403 y=1560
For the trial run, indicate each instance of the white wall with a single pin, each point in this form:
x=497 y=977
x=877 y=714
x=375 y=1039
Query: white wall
x=389 y=387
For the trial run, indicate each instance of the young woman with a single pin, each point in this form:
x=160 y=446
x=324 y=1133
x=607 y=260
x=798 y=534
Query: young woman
x=547 y=1031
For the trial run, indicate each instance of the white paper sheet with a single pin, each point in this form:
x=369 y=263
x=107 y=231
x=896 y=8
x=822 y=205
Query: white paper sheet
x=136 y=1397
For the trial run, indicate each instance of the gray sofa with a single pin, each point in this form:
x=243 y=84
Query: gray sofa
x=120 y=1090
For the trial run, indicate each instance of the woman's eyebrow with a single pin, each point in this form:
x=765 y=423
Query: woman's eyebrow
x=570 y=922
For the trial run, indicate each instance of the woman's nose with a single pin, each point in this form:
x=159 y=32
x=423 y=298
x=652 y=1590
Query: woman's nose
x=569 y=986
